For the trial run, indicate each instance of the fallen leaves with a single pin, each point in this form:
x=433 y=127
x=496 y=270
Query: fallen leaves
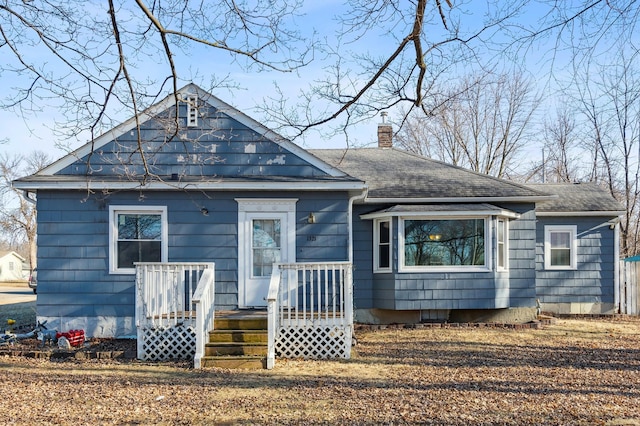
x=575 y=372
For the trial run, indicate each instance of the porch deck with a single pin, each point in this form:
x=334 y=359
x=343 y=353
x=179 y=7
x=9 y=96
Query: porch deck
x=309 y=311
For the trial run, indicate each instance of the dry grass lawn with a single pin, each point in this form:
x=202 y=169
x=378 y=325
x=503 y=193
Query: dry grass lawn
x=575 y=372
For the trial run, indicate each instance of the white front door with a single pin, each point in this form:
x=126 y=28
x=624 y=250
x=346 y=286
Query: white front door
x=266 y=235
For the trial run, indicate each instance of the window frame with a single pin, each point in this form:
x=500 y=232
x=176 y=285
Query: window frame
x=114 y=212
x=402 y=267
x=573 y=254
x=505 y=243
x=377 y=244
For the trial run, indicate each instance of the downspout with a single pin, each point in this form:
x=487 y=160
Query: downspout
x=358 y=197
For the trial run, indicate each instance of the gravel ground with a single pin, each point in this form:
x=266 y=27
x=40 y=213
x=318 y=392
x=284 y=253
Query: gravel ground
x=571 y=373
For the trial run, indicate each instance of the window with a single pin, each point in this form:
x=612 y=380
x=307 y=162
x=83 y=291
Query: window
x=433 y=243
x=502 y=237
x=137 y=234
x=560 y=247
x=265 y=246
x=382 y=245
x=11 y=266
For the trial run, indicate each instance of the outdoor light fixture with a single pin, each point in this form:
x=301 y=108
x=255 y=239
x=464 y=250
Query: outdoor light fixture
x=311 y=218
x=204 y=211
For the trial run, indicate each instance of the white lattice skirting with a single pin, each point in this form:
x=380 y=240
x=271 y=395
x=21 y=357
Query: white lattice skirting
x=165 y=343
x=313 y=342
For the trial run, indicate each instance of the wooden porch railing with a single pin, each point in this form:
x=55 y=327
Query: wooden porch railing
x=165 y=318
x=204 y=299
x=310 y=310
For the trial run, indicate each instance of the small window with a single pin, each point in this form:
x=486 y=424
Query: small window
x=192 y=110
x=11 y=266
x=560 y=247
x=137 y=235
x=502 y=238
x=382 y=249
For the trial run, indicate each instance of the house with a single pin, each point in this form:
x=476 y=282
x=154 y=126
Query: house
x=11 y=267
x=202 y=205
x=577 y=250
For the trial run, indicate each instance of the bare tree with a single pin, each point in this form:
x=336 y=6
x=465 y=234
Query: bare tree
x=17 y=212
x=481 y=124
x=560 y=162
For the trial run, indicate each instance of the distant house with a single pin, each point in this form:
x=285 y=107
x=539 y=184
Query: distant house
x=11 y=267
x=421 y=240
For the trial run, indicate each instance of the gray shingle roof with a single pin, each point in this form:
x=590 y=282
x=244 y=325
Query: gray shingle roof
x=577 y=197
x=394 y=174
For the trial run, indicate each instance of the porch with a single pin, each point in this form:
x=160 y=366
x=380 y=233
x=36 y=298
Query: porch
x=309 y=313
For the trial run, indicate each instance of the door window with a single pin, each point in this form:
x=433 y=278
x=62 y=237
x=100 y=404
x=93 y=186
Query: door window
x=266 y=245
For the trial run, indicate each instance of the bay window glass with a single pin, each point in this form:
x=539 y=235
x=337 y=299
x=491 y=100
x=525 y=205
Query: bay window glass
x=501 y=238
x=444 y=242
x=383 y=245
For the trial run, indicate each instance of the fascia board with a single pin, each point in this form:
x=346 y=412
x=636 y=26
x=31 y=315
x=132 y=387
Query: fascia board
x=608 y=213
x=168 y=185
x=453 y=213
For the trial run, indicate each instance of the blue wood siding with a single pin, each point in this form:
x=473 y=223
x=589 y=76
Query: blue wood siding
x=219 y=146
x=446 y=290
x=593 y=279
x=73 y=246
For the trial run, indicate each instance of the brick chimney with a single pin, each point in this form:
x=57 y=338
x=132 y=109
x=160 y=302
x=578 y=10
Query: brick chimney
x=385 y=133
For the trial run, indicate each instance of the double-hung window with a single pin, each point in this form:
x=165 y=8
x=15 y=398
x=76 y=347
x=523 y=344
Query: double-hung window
x=382 y=243
x=137 y=234
x=560 y=246
x=502 y=233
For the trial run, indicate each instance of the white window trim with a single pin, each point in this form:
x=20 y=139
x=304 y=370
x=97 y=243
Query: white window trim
x=446 y=268
x=113 y=234
x=573 y=230
x=376 y=245
x=506 y=245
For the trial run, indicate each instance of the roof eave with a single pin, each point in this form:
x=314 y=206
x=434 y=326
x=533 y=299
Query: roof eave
x=179 y=186
x=606 y=213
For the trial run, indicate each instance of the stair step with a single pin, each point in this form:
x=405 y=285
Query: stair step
x=238 y=336
x=251 y=349
x=236 y=362
x=240 y=323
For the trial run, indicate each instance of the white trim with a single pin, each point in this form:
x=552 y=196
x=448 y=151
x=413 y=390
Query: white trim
x=376 y=245
x=168 y=102
x=505 y=243
x=573 y=232
x=581 y=214
x=181 y=186
x=457 y=213
x=113 y=233
x=267 y=208
x=616 y=268
x=447 y=268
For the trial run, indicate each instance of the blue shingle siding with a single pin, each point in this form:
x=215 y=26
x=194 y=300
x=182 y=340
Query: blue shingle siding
x=217 y=147
x=593 y=279
x=73 y=248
